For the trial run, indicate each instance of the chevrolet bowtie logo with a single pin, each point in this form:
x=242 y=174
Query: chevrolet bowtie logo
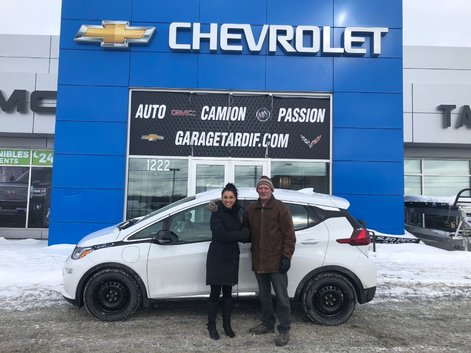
x=152 y=137
x=114 y=34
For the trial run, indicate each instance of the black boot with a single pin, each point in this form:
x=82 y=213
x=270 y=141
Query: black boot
x=212 y=313
x=226 y=317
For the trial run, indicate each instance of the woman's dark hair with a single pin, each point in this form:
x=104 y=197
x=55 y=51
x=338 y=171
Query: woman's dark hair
x=230 y=187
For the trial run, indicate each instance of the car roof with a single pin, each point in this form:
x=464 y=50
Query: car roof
x=307 y=196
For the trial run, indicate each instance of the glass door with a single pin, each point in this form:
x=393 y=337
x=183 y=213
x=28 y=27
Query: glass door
x=246 y=174
x=206 y=174
x=209 y=176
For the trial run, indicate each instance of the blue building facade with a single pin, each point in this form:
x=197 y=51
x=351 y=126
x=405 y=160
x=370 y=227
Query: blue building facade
x=362 y=82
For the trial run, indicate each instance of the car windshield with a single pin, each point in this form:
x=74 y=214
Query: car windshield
x=23 y=178
x=165 y=208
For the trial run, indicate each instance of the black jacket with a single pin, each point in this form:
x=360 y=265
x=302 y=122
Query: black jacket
x=222 y=262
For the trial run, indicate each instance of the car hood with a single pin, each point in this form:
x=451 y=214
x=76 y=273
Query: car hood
x=101 y=236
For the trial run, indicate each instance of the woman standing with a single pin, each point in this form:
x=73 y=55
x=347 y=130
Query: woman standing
x=222 y=263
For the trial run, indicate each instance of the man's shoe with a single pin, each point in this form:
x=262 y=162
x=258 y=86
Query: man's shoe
x=261 y=329
x=282 y=339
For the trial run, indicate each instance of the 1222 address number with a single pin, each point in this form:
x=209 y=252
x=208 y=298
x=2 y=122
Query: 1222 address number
x=158 y=165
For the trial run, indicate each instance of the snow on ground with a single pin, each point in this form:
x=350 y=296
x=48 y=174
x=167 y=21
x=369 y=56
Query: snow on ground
x=31 y=272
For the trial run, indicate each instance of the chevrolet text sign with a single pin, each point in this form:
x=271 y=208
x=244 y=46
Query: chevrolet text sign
x=301 y=39
x=229 y=37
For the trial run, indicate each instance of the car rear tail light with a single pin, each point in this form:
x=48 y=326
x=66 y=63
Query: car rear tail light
x=359 y=237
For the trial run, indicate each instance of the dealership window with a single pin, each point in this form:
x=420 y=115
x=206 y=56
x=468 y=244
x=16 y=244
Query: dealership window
x=154 y=183
x=25 y=188
x=434 y=177
x=296 y=175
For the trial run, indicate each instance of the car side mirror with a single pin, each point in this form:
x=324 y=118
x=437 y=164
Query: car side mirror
x=164 y=237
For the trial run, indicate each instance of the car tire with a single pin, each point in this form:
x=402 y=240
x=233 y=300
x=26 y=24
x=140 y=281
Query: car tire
x=112 y=295
x=329 y=299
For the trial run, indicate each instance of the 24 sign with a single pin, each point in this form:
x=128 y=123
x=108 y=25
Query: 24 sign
x=42 y=158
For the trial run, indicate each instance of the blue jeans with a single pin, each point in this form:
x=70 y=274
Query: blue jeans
x=279 y=281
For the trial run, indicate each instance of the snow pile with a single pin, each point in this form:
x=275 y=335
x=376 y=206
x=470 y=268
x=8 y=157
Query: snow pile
x=419 y=270
x=430 y=199
x=31 y=272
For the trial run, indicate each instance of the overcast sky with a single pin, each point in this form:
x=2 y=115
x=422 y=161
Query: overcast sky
x=426 y=22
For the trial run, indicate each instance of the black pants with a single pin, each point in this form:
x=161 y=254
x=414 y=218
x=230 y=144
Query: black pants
x=216 y=293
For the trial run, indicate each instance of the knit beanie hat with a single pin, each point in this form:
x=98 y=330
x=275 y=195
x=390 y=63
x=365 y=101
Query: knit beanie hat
x=264 y=180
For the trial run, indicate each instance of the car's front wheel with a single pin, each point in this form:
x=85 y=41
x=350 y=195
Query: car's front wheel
x=112 y=294
x=329 y=299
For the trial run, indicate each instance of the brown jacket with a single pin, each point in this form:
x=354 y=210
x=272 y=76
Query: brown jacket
x=272 y=234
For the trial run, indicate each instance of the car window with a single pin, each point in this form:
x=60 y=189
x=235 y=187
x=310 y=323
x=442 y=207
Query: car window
x=300 y=216
x=149 y=231
x=192 y=224
x=314 y=217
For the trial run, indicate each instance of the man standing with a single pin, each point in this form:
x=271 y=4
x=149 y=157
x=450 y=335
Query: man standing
x=273 y=240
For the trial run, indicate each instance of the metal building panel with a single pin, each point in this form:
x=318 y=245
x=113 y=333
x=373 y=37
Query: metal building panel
x=368 y=75
x=25 y=46
x=241 y=11
x=368 y=13
x=407 y=97
x=169 y=70
x=54 y=66
x=72 y=232
x=46 y=82
x=68 y=171
x=222 y=71
x=439 y=77
x=17 y=122
x=367 y=177
x=428 y=128
x=367 y=110
x=91 y=138
x=10 y=64
x=44 y=124
x=94 y=110
x=101 y=205
x=55 y=40
x=408 y=128
x=86 y=67
x=368 y=144
x=427 y=97
x=16 y=80
x=418 y=57
x=158 y=11
x=315 y=12
x=301 y=73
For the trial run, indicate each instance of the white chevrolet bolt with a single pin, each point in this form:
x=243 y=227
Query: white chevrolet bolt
x=162 y=255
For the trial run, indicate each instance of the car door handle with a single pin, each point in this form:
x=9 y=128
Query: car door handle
x=310 y=241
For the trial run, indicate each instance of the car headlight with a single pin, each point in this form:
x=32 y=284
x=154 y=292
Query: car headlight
x=80 y=253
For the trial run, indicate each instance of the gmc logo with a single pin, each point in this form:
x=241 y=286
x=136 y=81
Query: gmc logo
x=18 y=100
x=183 y=112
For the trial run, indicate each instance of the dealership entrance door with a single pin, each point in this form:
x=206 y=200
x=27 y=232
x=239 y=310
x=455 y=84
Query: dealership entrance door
x=213 y=173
